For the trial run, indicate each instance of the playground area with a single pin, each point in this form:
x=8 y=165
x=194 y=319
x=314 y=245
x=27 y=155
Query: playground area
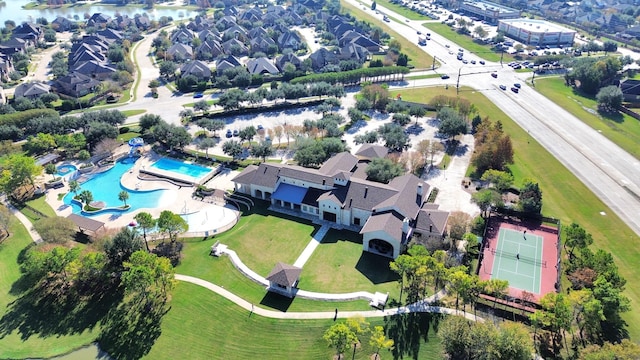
x=523 y=252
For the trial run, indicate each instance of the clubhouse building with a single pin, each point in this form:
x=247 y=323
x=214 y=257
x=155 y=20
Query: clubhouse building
x=386 y=215
x=536 y=32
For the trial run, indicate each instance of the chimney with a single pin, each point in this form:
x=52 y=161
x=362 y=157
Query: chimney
x=420 y=189
x=366 y=190
x=405 y=226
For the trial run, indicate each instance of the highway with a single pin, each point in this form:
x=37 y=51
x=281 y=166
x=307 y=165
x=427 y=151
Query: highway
x=609 y=171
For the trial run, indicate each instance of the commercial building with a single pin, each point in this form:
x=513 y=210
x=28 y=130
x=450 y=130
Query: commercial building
x=536 y=32
x=488 y=11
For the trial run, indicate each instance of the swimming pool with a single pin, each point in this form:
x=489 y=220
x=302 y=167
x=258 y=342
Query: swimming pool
x=65 y=169
x=184 y=171
x=106 y=187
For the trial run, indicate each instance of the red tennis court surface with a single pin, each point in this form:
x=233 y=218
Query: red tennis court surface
x=504 y=256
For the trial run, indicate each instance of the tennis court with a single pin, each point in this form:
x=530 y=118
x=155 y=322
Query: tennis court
x=518 y=259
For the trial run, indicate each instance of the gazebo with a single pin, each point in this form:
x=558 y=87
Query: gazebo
x=283 y=279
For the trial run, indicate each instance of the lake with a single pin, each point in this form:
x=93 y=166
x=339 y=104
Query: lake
x=13 y=10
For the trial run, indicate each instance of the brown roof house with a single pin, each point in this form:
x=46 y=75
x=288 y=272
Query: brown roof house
x=283 y=279
x=338 y=193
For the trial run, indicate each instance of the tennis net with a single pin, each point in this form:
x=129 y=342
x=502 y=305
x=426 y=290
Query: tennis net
x=542 y=263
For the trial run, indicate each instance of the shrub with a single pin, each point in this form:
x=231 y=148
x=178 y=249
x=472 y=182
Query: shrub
x=124 y=130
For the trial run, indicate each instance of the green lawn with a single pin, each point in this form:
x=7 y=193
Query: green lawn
x=129 y=113
x=564 y=196
x=32 y=331
x=401 y=10
x=466 y=42
x=418 y=58
x=420 y=77
x=620 y=128
x=40 y=204
x=203 y=325
x=128 y=136
x=340 y=264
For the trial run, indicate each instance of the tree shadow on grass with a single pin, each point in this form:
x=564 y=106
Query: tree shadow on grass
x=409 y=331
x=276 y=301
x=47 y=311
x=376 y=268
x=130 y=330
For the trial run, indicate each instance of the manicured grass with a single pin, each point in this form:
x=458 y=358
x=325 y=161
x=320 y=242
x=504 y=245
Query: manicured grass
x=129 y=113
x=208 y=326
x=220 y=271
x=128 y=136
x=33 y=332
x=466 y=42
x=420 y=77
x=40 y=204
x=340 y=264
x=620 y=128
x=401 y=10
x=418 y=58
x=564 y=196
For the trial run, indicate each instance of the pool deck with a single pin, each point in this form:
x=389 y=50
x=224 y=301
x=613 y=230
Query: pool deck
x=178 y=199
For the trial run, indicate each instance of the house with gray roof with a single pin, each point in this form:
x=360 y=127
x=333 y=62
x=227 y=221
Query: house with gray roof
x=75 y=84
x=386 y=215
x=262 y=66
x=196 y=68
x=182 y=36
x=283 y=279
x=209 y=50
x=291 y=40
x=180 y=52
x=31 y=90
x=61 y=24
x=282 y=60
x=235 y=47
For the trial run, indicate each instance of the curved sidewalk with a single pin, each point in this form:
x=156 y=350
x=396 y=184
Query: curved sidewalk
x=421 y=306
x=24 y=220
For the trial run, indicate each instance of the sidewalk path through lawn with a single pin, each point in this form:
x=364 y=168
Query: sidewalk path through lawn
x=420 y=306
x=316 y=239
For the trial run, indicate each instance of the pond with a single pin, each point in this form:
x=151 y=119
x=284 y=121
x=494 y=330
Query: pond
x=13 y=10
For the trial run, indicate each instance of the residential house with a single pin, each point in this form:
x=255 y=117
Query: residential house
x=226 y=62
x=3 y=98
x=209 y=34
x=354 y=52
x=6 y=67
x=28 y=31
x=291 y=17
x=98 y=20
x=262 y=66
x=338 y=192
x=236 y=32
x=97 y=70
x=261 y=43
x=182 y=36
x=208 y=50
x=180 y=52
x=75 y=84
x=321 y=58
x=121 y=22
x=196 y=68
x=226 y=22
x=14 y=46
x=258 y=31
x=252 y=15
x=31 y=90
x=142 y=21
x=282 y=60
x=630 y=90
x=61 y=24
x=110 y=35
x=291 y=40
x=235 y=47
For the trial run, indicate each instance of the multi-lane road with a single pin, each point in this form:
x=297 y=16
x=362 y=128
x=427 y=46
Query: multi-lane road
x=609 y=171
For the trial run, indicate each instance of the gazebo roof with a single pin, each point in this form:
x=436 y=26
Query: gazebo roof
x=85 y=223
x=284 y=274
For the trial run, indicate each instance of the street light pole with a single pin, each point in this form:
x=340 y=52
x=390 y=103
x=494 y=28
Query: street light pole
x=458 y=82
x=433 y=66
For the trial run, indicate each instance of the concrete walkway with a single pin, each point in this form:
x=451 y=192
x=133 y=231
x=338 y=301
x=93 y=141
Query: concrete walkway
x=316 y=239
x=421 y=306
x=26 y=222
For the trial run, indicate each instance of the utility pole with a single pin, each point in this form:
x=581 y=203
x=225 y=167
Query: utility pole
x=501 y=56
x=532 y=79
x=458 y=82
x=433 y=66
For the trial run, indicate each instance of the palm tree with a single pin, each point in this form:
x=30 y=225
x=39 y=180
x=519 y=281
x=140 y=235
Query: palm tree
x=74 y=186
x=123 y=196
x=86 y=197
x=51 y=170
x=146 y=223
x=205 y=144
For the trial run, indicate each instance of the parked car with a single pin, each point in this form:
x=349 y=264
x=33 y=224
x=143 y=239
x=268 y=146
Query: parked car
x=473 y=62
x=517 y=85
x=495 y=75
x=482 y=62
x=229 y=134
x=444 y=76
x=260 y=127
x=502 y=87
x=198 y=95
x=236 y=132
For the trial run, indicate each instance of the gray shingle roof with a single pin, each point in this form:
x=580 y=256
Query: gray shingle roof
x=389 y=222
x=284 y=274
x=371 y=151
x=431 y=220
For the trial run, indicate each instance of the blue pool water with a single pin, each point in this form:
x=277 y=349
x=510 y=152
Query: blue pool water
x=195 y=171
x=106 y=186
x=66 y=169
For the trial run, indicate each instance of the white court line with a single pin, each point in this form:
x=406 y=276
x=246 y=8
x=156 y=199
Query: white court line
x=517 y=273
x=539 y=271
x=500 y=240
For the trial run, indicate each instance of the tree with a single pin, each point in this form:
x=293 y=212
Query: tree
x=513 y=342
x=486 y=198
x=340 y=336
x=417 y=111
x=168 y=69
x=51 y=170
x=233 y=149
x=480 y=31
x=205 y=144
x=455 y=335
x=172 y=224
x=212 y=125
x=17 y=170
x=530 y=197
x=5 y=219
x=262 y=150
x=625 y=350
x=123 y=196
x=55 y=229
x=460 y=284
x=383 y=170
x=147 y=223
x=459 y=223
x=497 y=288
x=576 y=237
x=401 y=266
x=555 y=314
x=247 y=134
x=380 y=341
x=394 y=136
x=501 y=180
x=120 y=248
x=401 y=119
x=451 y=123
x=609 y=98
x=201 y=105
x=148 y=275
